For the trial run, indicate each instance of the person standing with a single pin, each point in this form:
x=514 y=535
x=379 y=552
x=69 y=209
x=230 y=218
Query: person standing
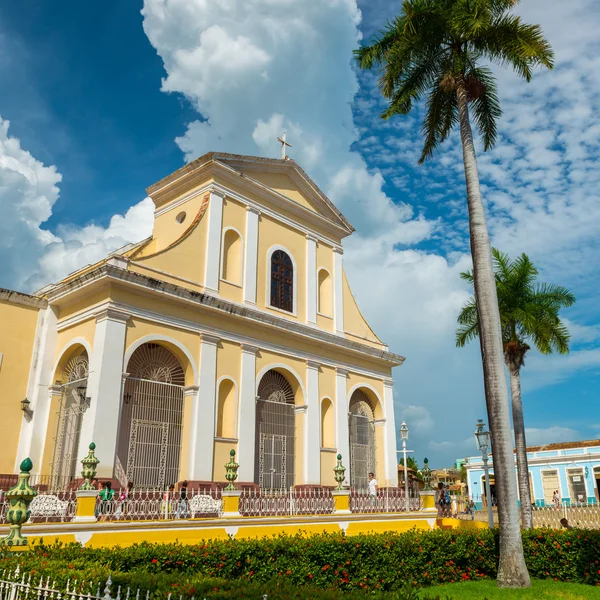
x=106 y=497
x=182 y=505
x=373 y=487
x=556 y=499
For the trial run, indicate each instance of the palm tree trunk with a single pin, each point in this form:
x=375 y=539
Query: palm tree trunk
x=512 y=571
x=521 y=446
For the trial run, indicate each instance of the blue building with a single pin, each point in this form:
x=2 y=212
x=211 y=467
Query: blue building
x=572 y=468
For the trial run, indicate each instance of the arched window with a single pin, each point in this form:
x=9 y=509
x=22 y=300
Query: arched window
x=282 y=281
x=275 y=432
x=324 y=293
x=327 y=424
x=231 y=268
x=227 y=410
x=362 y=439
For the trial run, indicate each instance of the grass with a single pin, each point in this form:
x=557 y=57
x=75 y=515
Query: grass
x=540 y=589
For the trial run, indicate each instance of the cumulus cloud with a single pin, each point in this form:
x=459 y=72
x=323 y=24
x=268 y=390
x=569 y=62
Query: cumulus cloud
x=32 y=256
x=550 y=435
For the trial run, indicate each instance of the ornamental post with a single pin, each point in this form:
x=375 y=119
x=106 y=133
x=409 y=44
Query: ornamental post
x=341 y=496
x=90 y=462
x=85 y=509
x=231 y=496
x=427 y=493
x=19 y=497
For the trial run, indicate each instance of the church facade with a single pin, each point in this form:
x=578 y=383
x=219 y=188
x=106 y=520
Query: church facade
x=232 y=326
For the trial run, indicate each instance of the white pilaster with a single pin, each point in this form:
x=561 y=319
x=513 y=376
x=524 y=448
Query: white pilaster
x=105 y=386
x=34 y=430
x=312 y=441
x=247 y=421
x=338 y=291
x=311 y=279
x=202 y=440
x=251 y=254
x=213 y=241
x=342 y=434
x=389 y=435
x=191 y=393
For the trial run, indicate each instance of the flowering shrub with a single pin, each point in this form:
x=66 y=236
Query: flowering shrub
x=329 y=561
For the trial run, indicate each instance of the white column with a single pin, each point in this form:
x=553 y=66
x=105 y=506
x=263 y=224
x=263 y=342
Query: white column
x=389 y=435
x=202 y=438
x=34 y=430
x=338 y=291
x=312 y=441
x=311 y=279
x=213 y=241
x=251 y=255
x=247 y=421
x=342 y=435
x=105 y=384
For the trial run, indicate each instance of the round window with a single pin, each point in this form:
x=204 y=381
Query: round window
x=180 y=218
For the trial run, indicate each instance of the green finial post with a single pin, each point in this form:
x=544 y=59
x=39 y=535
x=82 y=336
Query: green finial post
x=339 y=472
x=426 y=473
x=19 y=498
x=90 y=462
x=231 y=469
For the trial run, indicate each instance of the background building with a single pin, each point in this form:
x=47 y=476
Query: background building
x=572 y=468
x=232 y=326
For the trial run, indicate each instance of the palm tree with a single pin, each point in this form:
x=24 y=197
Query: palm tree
x=528 y=313
x=433 y=50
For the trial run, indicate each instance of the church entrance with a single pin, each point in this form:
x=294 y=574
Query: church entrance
x=275 y=432
x=72 y=405
x=362 y=440
x=149 y=444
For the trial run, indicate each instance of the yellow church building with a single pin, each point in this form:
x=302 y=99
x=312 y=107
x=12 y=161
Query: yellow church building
x=232 y=326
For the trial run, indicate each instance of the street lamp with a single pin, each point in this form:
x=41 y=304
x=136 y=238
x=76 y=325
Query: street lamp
x=482 y=437
x=404 y=437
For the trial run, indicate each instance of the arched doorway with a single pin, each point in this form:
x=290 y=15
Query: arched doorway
x=362 y=439
x=72 y=405
x=275 y=432
x=149 y=444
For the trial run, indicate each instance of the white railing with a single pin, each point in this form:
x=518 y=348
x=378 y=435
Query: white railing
x=50 y=506
x=585 y=516
x=387 y=500
x=152 y=505
x=14 y=586
x=279 y=503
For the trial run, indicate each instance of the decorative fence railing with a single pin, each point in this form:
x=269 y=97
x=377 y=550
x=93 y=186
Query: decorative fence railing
x=52 y=506
x=585 y=516
x=388 y=500
x=15 y=586
x=279 y=503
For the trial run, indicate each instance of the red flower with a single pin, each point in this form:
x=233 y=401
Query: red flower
x=310 y=575
x=154 y=560
x=288 y=572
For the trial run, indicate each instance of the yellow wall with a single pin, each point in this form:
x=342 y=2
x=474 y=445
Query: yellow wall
x=328 y=462
x=282 y=184
x=221 y=458
x=354 y=323
x=85 y=330
x=18 y=326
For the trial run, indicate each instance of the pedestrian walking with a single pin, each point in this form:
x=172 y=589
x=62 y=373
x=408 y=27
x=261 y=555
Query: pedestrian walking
x=372 y=488
x=182 y=505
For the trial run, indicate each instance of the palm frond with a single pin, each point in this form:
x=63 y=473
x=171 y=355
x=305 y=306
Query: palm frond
x=486 y=107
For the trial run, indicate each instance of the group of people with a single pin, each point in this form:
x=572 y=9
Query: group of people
x=111 y=504
x=443 y=500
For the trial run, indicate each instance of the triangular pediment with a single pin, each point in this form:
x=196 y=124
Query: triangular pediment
x=282 y=178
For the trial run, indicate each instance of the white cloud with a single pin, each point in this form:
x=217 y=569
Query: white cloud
x=32 y=256
x=550 y=435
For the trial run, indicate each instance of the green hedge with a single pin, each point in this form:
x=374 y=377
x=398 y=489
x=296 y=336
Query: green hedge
x=328 y=561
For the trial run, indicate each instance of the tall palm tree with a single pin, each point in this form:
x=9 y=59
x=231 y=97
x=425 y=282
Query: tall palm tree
x=528 y=313
x=433 y=51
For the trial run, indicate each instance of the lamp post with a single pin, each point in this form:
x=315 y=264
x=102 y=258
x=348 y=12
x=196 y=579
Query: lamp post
x=482 y=437
x=404 y=437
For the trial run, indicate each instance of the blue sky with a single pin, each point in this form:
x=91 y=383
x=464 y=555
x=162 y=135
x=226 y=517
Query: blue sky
x=103 y=102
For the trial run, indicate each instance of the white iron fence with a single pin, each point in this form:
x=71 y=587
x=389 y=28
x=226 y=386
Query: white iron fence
x=14 y=586
x=51 y=506
x=279 y=503
x=585 y=516
x=387 y=500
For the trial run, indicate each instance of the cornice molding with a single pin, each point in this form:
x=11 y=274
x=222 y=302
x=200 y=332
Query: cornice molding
x=341 y=372
x=190 y=390
x=112 y=314
x=211 y=340
x=249 y=348
x=22 y=299
x=313 y=364
x=244 y=311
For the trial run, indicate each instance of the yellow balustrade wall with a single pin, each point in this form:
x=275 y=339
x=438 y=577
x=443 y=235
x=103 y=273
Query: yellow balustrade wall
x=18 y=324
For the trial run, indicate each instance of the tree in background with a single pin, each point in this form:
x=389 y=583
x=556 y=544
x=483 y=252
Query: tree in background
x=433 y=52
x=528 y=314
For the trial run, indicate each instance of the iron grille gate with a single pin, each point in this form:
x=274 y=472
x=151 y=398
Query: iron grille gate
x=151 y=425
x=362 y=450
x=276 y=441
x=68 y=431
